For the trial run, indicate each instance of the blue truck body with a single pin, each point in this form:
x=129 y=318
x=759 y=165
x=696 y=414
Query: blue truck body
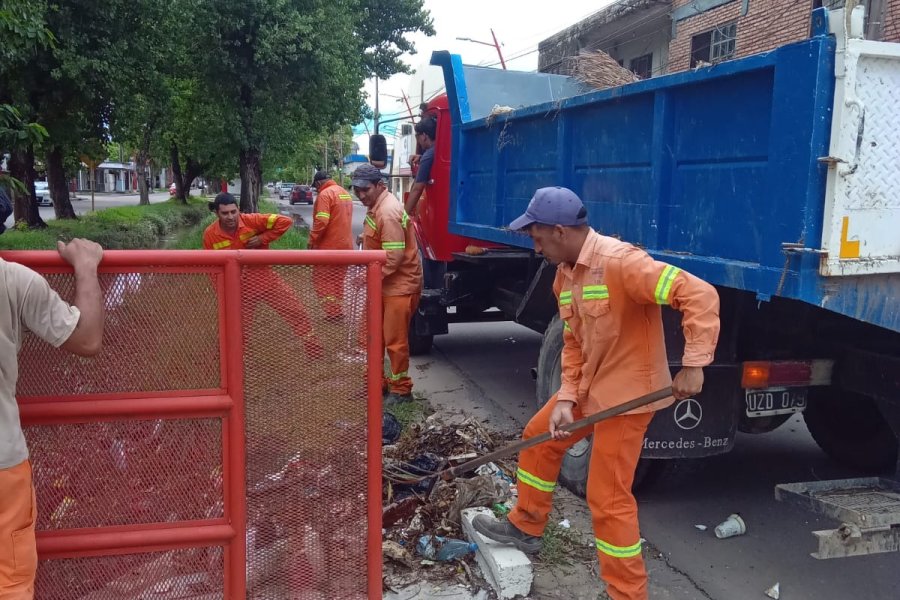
x=712 y=170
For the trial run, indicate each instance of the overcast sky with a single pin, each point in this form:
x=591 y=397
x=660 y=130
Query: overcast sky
x=520 y=25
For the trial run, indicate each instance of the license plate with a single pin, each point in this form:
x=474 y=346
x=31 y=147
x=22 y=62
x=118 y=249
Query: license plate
x=775 y=401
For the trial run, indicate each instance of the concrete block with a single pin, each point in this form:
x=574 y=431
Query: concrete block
x=506 y=568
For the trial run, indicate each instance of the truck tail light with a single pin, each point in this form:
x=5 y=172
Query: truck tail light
x=765 y=374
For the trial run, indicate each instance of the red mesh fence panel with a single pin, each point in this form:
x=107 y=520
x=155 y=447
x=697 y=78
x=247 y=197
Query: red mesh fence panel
x=126 y=472
x=195 y=574
x=161 y=333
x=305 y=402
x=197 y=417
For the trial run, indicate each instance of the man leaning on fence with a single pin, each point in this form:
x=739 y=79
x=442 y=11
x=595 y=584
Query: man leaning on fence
x=27 y=301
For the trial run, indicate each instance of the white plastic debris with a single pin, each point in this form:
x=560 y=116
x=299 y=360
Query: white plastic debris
x=774 y=592
x=565 y=524
x=701 y=527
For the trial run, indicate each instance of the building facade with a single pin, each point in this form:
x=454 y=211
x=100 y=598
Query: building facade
x=654 y=37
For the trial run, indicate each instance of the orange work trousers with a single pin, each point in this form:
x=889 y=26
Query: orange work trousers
x=398 y=312
x=18 y=549
x=616 y=450
x=264 y=284
x=329 y=284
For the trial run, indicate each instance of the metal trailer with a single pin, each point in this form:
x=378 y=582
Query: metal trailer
x=773 y=177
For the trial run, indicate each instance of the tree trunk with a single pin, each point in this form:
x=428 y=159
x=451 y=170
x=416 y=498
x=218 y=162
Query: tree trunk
x=251 y=179
x=180 y=192
x=25 y=207
x=141 y=159
x=193 y=169
x=57 y=184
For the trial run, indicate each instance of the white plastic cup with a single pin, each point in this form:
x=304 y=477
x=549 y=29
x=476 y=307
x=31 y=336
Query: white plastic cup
x=730 y=527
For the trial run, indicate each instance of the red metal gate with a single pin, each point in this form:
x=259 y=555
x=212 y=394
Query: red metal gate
x=227 y=441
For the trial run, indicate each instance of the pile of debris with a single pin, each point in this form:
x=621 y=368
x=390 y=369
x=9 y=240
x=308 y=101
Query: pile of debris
x=422 y=511
x=600 y=71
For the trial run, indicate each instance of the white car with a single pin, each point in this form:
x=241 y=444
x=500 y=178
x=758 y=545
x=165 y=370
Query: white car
x=284 y=190
x=42 y=193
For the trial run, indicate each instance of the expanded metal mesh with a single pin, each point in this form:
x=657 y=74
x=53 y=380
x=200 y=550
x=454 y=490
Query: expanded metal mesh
x=161 y=334
x=174 y=575
x=305 y=398
x=126 y=472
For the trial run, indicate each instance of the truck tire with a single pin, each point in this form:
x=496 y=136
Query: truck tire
x=574 y=471
x=419 y=345
x=850 y=429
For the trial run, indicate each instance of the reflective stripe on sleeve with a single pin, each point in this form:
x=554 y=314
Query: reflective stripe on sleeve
x=222 y=244
x=405 y=220
x=345 y=197
x=271 y=222
x=323 y=215
x=566 y=326
x=565 y=298
x=393 y=245
x=371 y=223
x=664 y=284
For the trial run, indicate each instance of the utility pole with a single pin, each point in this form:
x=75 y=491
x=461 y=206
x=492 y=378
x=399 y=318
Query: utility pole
x=496 y=46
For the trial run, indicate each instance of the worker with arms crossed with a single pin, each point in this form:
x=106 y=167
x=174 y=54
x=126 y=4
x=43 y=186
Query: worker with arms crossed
x=233 y=230
x=27 y=301
x=331 y=230
x=610 y=295
x=387 y=228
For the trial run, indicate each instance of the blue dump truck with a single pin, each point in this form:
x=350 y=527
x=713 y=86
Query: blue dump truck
x=775 y=177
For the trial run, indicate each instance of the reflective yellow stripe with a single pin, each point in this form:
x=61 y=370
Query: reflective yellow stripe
x=664 y=285
x=371 y=223
x=222 y=244
x=405 y=220
x=393 y=245
x=399 y=376
x=271 y=222
x=594 y=292
x=565 y=298
x=246 y=236
x=345 y=196
x=323 y=215
x=535 y=482
x=618 y=551
x=566 y=326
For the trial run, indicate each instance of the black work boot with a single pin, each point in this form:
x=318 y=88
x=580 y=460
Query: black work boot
x=506 y=533
x=393 y=398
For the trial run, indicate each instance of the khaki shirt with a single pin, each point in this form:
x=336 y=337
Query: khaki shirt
x=26 y=299
x=613 y=344
x=388 y=227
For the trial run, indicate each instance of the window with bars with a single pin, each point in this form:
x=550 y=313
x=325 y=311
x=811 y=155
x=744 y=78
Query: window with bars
x=642 y=66
x=714 y=46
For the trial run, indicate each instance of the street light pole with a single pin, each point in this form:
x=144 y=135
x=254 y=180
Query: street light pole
x=495 y=45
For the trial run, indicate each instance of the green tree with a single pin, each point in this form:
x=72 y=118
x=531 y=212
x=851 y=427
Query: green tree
x=287 y=67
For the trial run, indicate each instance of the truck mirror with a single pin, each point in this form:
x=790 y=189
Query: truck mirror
x=378 y=151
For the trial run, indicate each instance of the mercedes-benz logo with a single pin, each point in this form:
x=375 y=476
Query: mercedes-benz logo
x=688 y=413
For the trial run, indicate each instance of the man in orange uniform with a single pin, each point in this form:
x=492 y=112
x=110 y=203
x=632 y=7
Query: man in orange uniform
x=387 y=227
x=235 y=231
x=332 y=220
x=609 y=294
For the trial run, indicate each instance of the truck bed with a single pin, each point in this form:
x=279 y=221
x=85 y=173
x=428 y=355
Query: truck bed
x=729 y=171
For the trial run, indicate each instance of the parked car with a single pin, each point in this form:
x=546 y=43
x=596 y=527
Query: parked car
x=42 y=193
x=284 y=190
x=301 y=193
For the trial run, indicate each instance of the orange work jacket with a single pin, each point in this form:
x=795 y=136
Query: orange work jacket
x=613 y=344
x=387 y=227
x=332 y=219
x=268 y=227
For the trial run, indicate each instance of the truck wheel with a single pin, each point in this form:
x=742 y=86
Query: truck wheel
x=574 y=471
x=419 y=344
x=850 y=429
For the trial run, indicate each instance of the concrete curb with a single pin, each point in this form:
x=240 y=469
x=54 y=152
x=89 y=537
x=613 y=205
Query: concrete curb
x=506 y=568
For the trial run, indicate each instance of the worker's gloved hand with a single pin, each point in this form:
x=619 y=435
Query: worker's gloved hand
x=254 y=242
x=561 y=415
x=688 y=382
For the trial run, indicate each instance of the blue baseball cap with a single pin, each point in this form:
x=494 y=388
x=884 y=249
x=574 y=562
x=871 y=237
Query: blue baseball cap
x=365 y=175
x=552 y=206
